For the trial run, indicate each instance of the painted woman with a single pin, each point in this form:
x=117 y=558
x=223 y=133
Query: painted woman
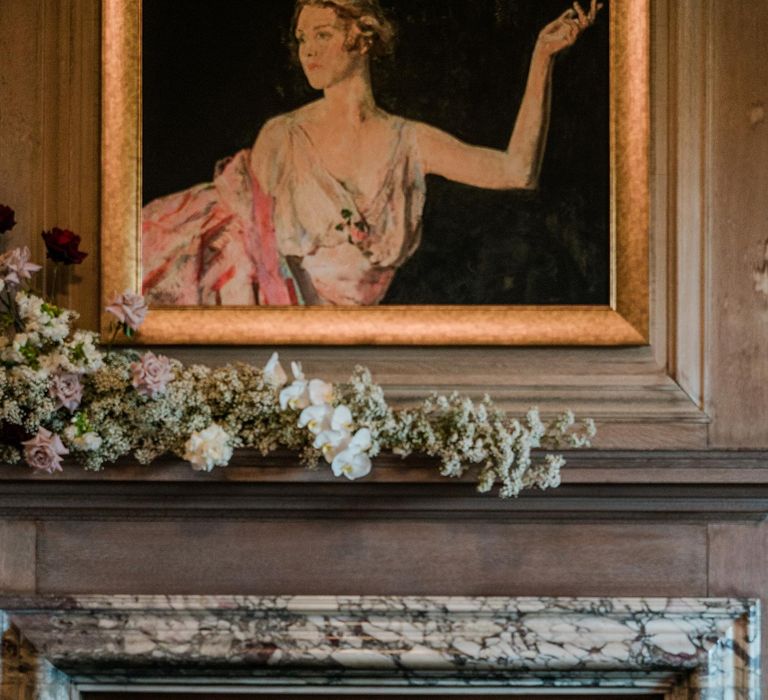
x=328 y=203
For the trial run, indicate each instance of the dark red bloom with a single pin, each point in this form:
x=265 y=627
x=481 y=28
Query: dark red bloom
x=62 y=246
x=7 y=218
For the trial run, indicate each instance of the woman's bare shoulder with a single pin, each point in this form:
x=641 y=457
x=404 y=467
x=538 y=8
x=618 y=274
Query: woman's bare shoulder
x=274 y=129
x=306 y=112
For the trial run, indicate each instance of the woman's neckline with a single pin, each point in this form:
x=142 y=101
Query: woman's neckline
x=398 y=125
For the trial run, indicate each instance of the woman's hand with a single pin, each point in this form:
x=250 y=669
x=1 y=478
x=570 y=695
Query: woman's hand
x=566 y=29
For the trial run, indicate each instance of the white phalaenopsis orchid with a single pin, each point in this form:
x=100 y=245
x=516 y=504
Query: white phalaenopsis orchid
x=295 y=396
x=342 y=419
x=351 y=463
x=274 y=374
x=361 y=441
x=316 y=418
x=332 y=442
x=320 y=392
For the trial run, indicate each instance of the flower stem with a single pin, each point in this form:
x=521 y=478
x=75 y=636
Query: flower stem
x=54 y=281
x=10 y=306
x=112 y=339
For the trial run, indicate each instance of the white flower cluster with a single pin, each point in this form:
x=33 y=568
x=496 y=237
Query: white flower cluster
x=61 y=396
x=208 y=448
x=344 y=447
x=44 y=328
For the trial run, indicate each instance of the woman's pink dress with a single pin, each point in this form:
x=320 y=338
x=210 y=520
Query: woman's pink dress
x=229 y=242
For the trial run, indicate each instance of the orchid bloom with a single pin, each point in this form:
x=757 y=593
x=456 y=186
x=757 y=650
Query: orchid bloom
x=316 y=419
x=342 y=419
x=361 y=441
x=320 y=392
x=352 y=464
x=274 y=374
x=295 y=396
x=332 y=442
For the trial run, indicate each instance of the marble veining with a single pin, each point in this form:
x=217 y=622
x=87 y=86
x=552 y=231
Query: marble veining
x=709 y=645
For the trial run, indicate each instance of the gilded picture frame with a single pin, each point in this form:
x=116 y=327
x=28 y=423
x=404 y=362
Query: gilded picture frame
x=622 y=321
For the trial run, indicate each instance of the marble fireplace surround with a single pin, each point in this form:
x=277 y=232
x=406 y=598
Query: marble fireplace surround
x=57 y=648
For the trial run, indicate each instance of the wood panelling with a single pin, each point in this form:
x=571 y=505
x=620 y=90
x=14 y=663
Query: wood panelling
x=21 y=107
x=70 y=128
x=17 y=557
x=738 y=566
x=738 y=195
x=688 y=127
x=368 y=557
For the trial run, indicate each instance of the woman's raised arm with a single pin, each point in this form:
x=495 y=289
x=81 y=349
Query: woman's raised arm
x=519 y=166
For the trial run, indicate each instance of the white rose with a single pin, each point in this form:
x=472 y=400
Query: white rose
x=88 y=442
x=208 y=449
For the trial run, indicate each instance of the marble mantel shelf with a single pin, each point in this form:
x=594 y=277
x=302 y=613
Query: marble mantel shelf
x=596 y=484
x=685 y=648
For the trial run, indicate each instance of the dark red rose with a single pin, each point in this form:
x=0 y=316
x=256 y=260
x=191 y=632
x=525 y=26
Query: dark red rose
x=62 y=246
x=7 y=218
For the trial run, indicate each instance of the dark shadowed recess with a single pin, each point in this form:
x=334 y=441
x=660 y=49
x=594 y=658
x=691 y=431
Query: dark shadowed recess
x=215 y=72
x=220 y=696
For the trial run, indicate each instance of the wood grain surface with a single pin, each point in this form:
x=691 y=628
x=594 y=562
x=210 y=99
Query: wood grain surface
x=738 y=566
x=361 y=557
x=738 y=226
x=17 y=556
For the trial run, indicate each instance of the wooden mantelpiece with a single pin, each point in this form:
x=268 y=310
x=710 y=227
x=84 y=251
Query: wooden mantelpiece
x=596 y=486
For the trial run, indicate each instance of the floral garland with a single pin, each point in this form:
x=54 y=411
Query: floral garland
x=64 y=395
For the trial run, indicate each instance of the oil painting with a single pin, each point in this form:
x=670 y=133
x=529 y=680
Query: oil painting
x=375 y=152
x=454 y=169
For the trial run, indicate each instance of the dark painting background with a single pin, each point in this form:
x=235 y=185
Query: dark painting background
x=214 y=72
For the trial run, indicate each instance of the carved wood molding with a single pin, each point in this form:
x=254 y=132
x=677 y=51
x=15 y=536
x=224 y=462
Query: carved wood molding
x=687 y=486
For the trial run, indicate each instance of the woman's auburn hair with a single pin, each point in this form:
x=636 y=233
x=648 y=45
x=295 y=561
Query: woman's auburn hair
x=376 y=30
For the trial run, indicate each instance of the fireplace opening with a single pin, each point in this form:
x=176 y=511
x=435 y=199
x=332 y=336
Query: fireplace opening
x=364 y=696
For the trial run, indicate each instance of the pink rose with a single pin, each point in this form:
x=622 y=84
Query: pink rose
x=44 y=451
x=130 y=309
x=67 y=389
x=151 y=374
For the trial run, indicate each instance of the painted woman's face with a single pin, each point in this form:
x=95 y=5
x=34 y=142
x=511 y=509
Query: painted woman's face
x=323 y=52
